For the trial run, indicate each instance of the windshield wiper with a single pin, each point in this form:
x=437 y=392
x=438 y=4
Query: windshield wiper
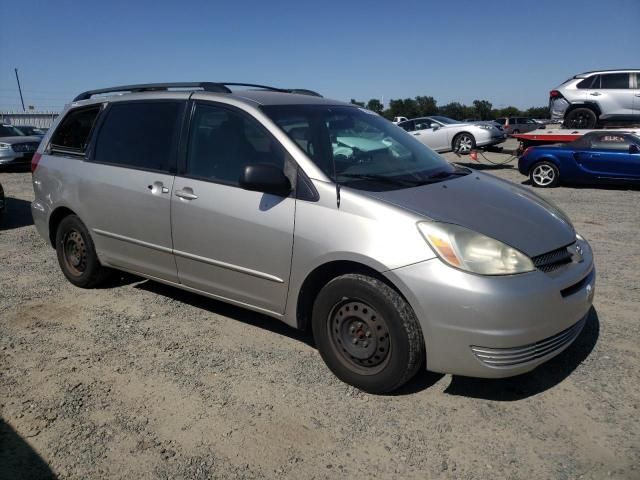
x=381 y=178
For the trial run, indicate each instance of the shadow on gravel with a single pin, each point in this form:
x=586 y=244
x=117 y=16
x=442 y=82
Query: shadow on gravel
x=236 y=313
x=17 y=213
x=18 y=460
x=485 y=166
x=546 y=376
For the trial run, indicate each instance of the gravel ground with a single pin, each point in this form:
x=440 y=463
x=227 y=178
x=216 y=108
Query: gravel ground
x=139 y=380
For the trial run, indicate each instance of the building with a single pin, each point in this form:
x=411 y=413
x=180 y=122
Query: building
x=33 y=118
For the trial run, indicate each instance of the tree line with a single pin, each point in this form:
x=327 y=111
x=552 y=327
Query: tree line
x=422 y=106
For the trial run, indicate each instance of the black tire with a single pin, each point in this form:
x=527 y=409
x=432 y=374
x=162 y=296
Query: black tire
x=359 y=315
x=581 y=118
x=463 y=143
x=77 y=254
x=544 y=174
x=515 y=132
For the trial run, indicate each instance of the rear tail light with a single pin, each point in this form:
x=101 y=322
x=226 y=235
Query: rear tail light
x=34 y=161
x=554 y=94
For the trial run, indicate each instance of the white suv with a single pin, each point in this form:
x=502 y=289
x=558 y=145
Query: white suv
x=592 y=98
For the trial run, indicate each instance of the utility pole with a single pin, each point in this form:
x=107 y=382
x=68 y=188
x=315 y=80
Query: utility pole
x=20 y=89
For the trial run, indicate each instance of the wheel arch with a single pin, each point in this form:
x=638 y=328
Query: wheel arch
x=457 y=134
x=545 y=158
x=54 y=220
x=590 y=105
x=323 y=274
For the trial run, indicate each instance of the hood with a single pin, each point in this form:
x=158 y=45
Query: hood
x=20 y=139
x=491 y=206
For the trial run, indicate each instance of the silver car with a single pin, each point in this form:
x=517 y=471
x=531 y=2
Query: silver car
x=16 y=148
x=592 y=98
x=443 y=134
x=319 y=214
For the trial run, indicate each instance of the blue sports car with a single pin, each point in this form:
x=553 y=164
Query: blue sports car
x=603 y=156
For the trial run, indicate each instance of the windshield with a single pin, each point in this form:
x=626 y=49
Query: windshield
x=358 y=147
x=445 y=120
x=9 y=131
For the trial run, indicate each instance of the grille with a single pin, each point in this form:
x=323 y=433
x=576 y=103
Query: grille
x=25 y=147
x=508 y=357
x=550 y=261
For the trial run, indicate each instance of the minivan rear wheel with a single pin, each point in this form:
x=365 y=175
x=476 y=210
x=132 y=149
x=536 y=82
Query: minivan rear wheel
x=77 y=255
x=367 y=334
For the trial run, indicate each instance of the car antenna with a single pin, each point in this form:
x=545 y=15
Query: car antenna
x=335 y=179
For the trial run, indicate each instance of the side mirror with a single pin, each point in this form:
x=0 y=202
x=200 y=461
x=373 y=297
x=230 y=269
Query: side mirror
x=633 y=148
x=267 y=178
x=435 y=126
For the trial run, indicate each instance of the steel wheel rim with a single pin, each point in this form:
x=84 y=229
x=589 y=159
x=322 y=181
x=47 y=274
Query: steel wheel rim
x=543 y=175
x=74 y=252
x=359 y=336
x=464 y=144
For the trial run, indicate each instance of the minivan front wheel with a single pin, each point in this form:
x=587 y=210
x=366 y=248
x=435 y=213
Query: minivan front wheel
x=77 y=255
x=367 y=334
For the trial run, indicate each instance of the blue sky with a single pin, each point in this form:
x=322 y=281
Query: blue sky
x=511 y=53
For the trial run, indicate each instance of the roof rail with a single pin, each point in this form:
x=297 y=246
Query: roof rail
x=299 y=91
x=149 y=87
x=219 y=87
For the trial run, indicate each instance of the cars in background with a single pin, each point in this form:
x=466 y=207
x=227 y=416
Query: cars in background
x=516 y=125
x=31 y=130
x=602 y=156
x=397 y=120
x=592 y=98
x=2 y=202
x=16 y=148
x=444 y=134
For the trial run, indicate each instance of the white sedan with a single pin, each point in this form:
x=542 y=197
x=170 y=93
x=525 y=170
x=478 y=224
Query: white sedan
x=443 y=134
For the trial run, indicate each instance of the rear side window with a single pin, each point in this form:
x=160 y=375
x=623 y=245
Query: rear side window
x=610 y=141
x=588 y=82
x=142 y=135
x=73 y=134
x=614 y=80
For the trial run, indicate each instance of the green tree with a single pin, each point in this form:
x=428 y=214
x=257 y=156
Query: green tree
x=403 y=108
x=483 y=109
x=375 y=105
x=453 y=110
x=426 y=106
x=537 y=112
x=507 y=112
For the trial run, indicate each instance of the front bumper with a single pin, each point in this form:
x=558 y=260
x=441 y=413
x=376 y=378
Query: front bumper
x=490 y=138
x=9 y=157
x=483 y=326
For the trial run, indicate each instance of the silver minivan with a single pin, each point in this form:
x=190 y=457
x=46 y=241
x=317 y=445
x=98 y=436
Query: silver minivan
x=320 y=214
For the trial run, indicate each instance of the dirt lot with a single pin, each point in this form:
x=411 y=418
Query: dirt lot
x=139 y=380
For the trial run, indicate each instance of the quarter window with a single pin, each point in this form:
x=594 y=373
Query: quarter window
x=614 y=80
x=72 y=136
x=223 y=141
x=610 y=141
x=140 y=135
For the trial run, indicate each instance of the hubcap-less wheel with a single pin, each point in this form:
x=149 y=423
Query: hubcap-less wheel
x=75 y=252
x=360 y=336
x=464 y=144
x=543 y=175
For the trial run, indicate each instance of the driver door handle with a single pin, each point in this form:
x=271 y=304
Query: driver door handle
x=595 y=94
x=415 y=133
x=186 y=193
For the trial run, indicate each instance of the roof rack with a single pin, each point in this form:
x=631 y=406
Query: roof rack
x=150 y=87
x=218 y=87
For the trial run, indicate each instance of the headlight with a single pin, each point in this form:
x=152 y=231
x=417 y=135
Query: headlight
x=5 y=146
x=484 y=126
x=471 y=251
